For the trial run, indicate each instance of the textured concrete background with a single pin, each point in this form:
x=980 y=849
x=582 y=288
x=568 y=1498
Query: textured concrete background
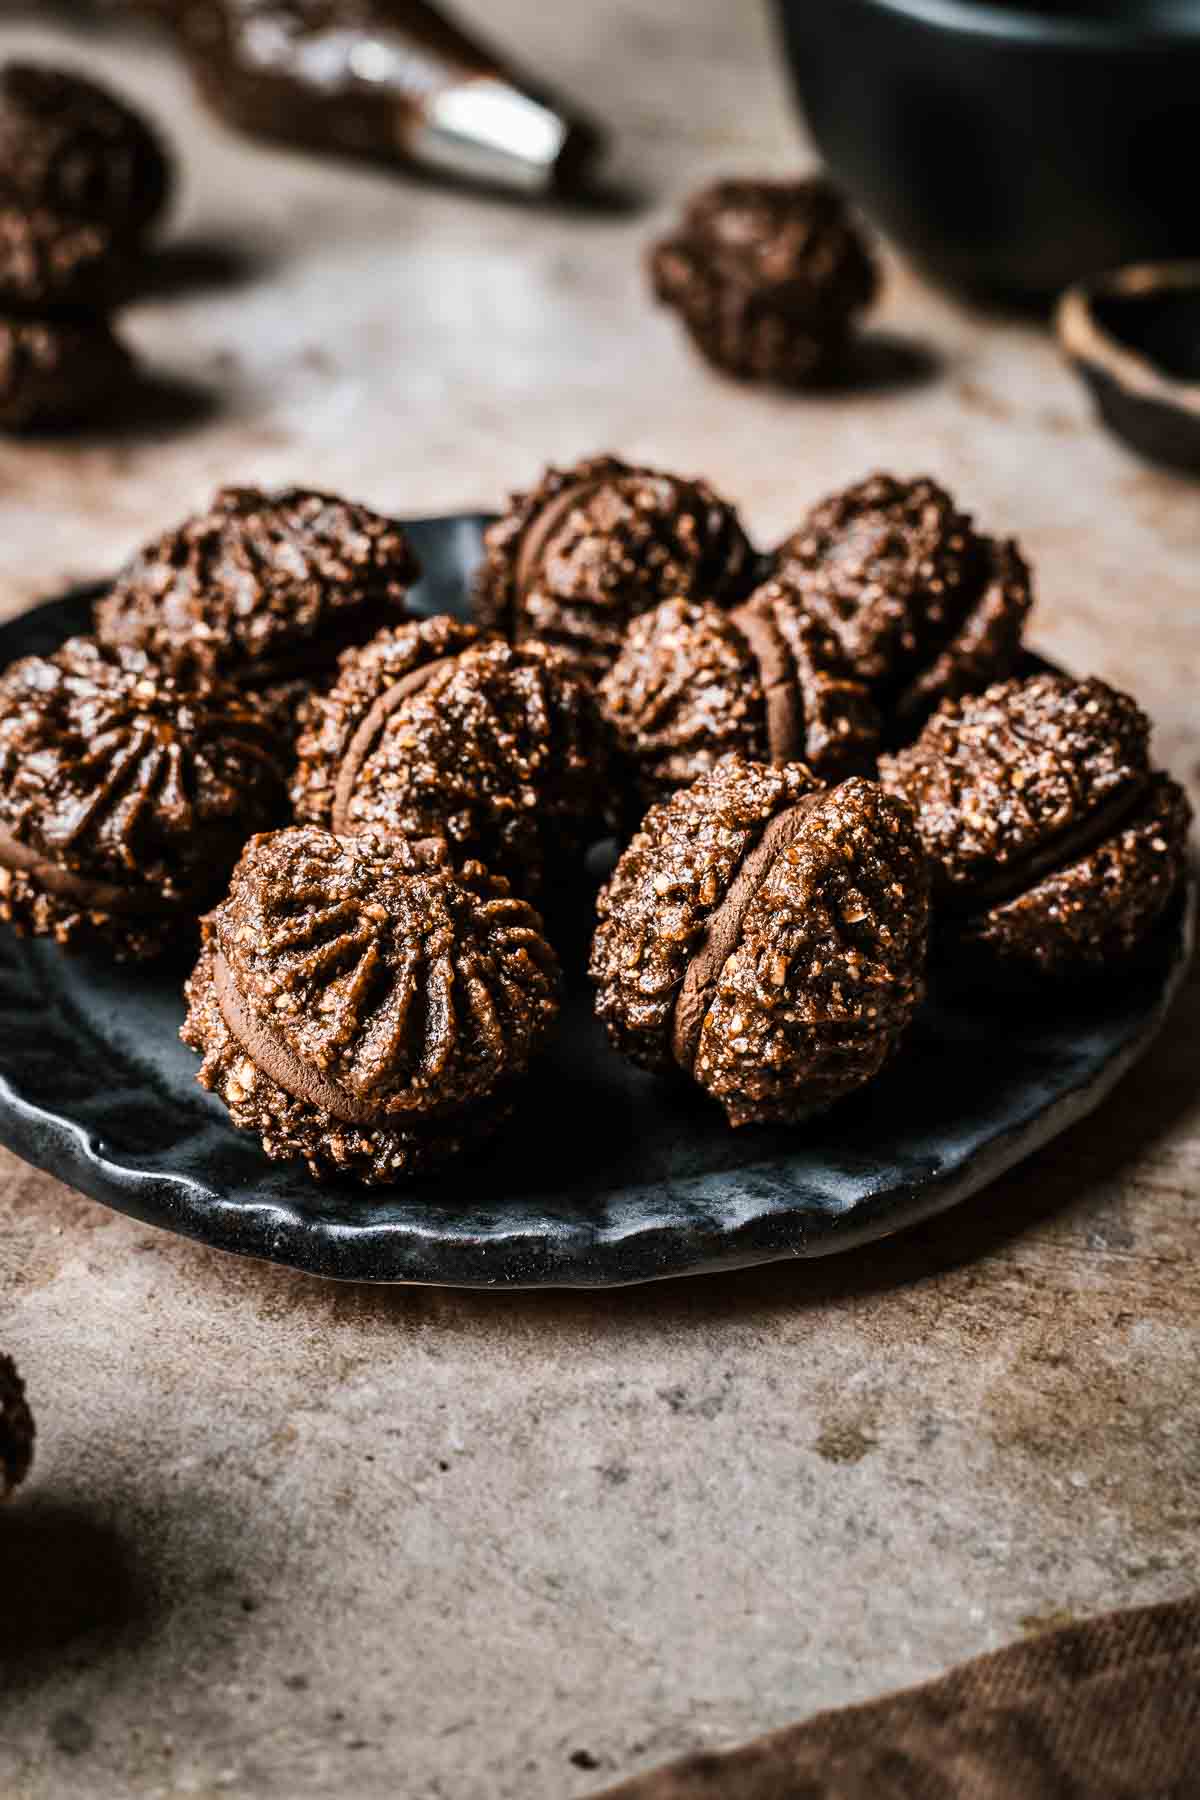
x=289 y=1540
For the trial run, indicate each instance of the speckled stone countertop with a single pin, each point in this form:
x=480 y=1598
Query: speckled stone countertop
x=286 y=1539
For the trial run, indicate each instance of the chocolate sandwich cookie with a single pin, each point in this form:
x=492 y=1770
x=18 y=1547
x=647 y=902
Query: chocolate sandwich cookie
x=769 y=278
x=125 y=798
x=69 y=146
x=1055 y=844
x=364 y=1007
x=694 y=682
x=923 y=605
x=765 y=936
x=50 y=265
x=16 y=1429
x=587 y=550
x=262 y=589
x=59 y=372
x=436 y=730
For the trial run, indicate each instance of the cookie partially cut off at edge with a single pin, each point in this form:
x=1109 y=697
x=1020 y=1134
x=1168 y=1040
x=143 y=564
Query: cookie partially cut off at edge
x=16 y=1429
x=591 y=547
x=766 y=936
x=366 y=1008
x=60 y=372
x=125 y=797
x=71 y=146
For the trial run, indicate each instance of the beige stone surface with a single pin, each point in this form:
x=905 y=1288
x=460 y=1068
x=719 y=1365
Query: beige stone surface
x=286 y=1539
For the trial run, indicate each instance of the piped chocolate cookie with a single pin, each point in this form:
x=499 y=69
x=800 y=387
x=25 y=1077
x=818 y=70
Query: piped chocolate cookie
x=923 y=606
x=694 y=682
x=765 y=937
x=365 y=1008
x=262 y=589
x=591 y=547
x=125 y=798
x=71 y=147
x=436 y=730
x=1055 y=844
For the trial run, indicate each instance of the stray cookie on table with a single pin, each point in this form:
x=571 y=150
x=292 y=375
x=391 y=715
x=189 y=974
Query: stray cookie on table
x=70 y=146
x=769 y=278
x=82 y=180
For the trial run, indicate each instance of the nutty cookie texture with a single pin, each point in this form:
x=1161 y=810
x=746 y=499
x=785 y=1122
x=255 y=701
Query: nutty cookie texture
x=923 y=605
x=16 y=1429
x=124 y=797
x=766 y=936
x=436 y=730
x=56 y=372
x=591 y=547
x=694 y=682
x=71 y=147
x=48 y=263
x=363 y=1006
x=262 y=589
x=1055 y=845
x=769 y=278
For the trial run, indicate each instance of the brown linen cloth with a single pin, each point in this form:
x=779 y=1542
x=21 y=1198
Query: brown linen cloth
x=1106 y=1710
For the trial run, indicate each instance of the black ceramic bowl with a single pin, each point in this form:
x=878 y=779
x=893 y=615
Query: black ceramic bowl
x=1010 y=149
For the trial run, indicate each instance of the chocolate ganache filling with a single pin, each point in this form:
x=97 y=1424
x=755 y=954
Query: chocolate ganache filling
x=277 y=1060
x=724 y=929
x=94 y=895
x=368 y=733
x=780 y=683
x=1060 y=850
x=535 y=539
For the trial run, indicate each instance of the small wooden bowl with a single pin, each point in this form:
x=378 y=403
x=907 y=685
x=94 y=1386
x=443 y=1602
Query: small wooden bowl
x=1134 y=337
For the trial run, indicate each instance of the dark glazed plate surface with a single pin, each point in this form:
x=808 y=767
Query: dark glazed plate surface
x=606 y=1175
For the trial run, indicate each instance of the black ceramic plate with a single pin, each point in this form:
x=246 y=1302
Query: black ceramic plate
x=607 y=1176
